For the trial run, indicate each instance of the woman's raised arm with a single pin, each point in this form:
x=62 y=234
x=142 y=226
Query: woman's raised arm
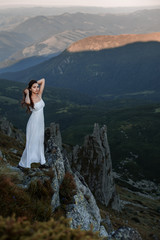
x=41 y=82
x=27 y=98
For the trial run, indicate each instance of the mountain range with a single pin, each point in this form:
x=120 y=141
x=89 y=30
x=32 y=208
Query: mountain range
x=103 y=66
x=46 y=34
x=11 y=42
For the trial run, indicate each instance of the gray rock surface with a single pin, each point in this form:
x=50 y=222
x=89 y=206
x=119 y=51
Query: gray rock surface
x=125 y=233
x=7 y=128
x=53 y=132
x=1 y=155
x=108 y=224
x=103 y=232
x=93 y=161
x=84 y=211
x=54 y=158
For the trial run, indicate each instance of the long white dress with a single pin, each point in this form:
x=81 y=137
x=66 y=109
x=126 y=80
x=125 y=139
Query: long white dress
x=34 y=149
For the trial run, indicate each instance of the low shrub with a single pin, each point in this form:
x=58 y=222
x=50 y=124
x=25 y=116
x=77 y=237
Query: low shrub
x=13 y=229
x=12 y=198
x=67 y=189
x=34 y=203
x=41 y=190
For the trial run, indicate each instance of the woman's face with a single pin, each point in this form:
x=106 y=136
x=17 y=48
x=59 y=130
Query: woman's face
x=35 y=88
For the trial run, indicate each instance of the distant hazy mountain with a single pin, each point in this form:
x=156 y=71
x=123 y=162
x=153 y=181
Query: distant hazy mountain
x=52 y=45
x=8 y=22
x=42 y=27
x=52 y=34
x=10 y=42
x=9 y=15
x=89 y=67
x=41 y=51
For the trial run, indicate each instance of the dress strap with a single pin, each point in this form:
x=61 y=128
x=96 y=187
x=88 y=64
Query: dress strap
x=39 y=96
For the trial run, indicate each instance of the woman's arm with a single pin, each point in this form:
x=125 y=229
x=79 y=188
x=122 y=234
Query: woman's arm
x=27 y=98
x=41 y=82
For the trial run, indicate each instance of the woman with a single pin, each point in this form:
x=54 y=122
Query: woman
x=34 y=149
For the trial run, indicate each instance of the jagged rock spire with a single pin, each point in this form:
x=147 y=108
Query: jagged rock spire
x=53 y=133
x=93 y=160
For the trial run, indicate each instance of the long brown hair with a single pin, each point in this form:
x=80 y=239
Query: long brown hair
x=23 y=103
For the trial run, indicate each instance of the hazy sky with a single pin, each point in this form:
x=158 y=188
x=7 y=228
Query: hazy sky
x=102 y=3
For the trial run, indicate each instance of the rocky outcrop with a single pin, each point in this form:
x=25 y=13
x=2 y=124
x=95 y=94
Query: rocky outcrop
x=93 y=161
x=53 y=133
x=55 y=161
x=7 y=128
x=83 y=211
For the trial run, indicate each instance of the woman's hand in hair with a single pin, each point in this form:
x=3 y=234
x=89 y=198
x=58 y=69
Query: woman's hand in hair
x=26 y=91
x=27 y=98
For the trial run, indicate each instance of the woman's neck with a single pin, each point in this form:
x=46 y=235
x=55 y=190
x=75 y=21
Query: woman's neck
x=34 y=95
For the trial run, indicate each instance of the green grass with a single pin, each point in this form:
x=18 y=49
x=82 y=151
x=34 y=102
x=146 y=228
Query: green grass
x=141 y=93
x=8 y=100
x=157 y=110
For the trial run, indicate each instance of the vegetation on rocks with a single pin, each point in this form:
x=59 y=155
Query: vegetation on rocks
x=27 y=214
x=21 y=228
x=67 y=189
x=34 y=202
